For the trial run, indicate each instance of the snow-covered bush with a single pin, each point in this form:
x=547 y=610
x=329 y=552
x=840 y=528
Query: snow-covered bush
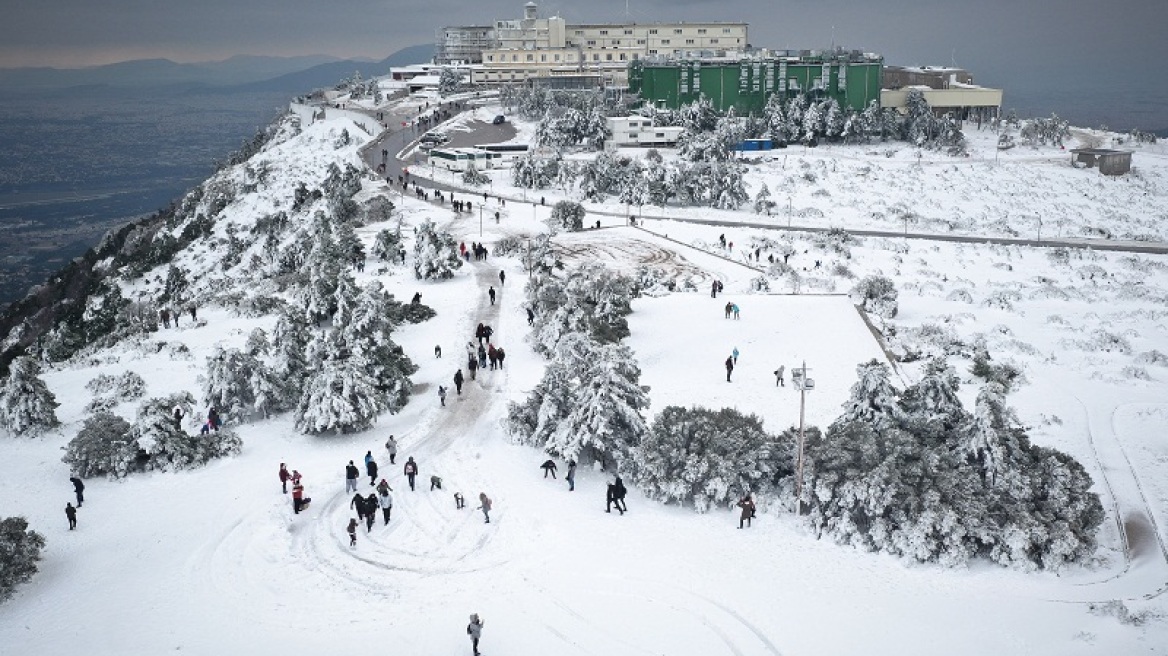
x=103 y=447
x=566 y=215
x=170 y=448
x=435 y=254
x=20 y=551
x=229 y=382
x=709 y=458
x=339 y=397
x=509 y=245
x=473 y=177
x=919 y=476
x=125 y=387
x=877 y=295
x=387 y=245
x=27 y=407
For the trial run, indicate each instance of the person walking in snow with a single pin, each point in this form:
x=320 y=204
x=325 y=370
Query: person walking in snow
x=493 y=356
x=370 y=511
x=295 y=478
x=502 y=277
x=485 y=506
x=411 y=471
x=352 y=528
x=491 y=293
x=714 y=289
x=78 y=489
x=482 y=357
x=610 y=499
x=530 y=317
x=621 y=491
x=729 y=367
x=371 y=469
x=385 y=500
x=351 y=474
x=358 y=503
x=479 y=333
x=747 y=506
x=475 y=631
x=571 y=477
x=284 y=476
x=71 y=515
x=728 y=308
x=459 y=501
x=549 y=467
x=473 y=366
x=438 y=350
x=501 y=355
x=734 y=354
x=391 y=447
x=368 y=457
x=442 y=395
x=458 y=382
x=299 y=501
x=487 y=332
x=779 y=376
x=734 y=309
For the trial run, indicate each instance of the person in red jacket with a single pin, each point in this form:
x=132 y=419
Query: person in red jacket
x=299 y=501
x=284 y=476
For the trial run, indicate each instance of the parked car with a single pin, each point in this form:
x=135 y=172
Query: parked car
x=499 y=120
x=434 y=138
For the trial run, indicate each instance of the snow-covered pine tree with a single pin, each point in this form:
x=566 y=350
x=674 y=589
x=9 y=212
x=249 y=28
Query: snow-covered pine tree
x=605 y=423
x=339 y=397
x=20 y=551
x=708 y=458
x=775 y=119
x=349 y=246
x=368 y=335
x=932 y=409
x=377 y=209
x=877 y=295
x=288 y=361
x=873 y=399
x=762 y=201
x=27 y=406
x=833 y=119
x=871 y=121
x=472 y=177
x=168 y=446
x=566 y=215
x=435 y=253
x=227 y=378
x=387 y=244
x=449 y=81
x=103 y=447
x=174 y=290
x=812 y=126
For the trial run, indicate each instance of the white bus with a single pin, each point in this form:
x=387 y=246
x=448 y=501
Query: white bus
x=458 y=159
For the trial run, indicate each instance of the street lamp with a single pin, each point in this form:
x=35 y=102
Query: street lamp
x=804 y=384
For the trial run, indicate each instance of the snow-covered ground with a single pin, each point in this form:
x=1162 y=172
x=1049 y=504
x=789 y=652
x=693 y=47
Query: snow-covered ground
x=213 y=561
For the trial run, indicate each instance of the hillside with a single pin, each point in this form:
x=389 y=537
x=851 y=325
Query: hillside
x=213 y=559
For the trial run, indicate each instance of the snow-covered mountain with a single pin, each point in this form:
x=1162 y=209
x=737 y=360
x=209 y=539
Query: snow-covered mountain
x=290 y=308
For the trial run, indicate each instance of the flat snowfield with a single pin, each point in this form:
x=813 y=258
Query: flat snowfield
x=682 y=341
x=213 y=562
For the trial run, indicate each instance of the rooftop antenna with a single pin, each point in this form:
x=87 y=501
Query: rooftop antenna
x=833 y=38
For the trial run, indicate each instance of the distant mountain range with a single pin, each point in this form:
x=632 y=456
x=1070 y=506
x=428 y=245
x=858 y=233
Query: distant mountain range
x=242 y=73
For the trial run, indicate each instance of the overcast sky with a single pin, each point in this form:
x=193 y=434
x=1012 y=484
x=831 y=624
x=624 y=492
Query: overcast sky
x=1117 y=45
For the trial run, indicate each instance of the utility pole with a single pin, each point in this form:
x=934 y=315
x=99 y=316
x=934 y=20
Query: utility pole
x=803 y=384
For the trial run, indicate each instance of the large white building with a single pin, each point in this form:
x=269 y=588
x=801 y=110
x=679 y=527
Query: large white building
x=543 y=48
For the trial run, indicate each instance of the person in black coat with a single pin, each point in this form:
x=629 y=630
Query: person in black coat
x=458 y=381
x=549 y=467
x=351 y=474
x=371 y=469
x=358 y=503
x=621 y=491
x=610 y=499
x=370 y=511
x=78 y=489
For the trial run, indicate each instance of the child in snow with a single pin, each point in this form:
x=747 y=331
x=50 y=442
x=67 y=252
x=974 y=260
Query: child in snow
x=475 y=631
x=459 y=502
x=747 y=506
x=442 y=395
x=485 y=506
x=779 y=376
x=548 y=467
x=352 y=532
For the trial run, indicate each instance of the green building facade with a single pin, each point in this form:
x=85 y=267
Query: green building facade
x=852 y=80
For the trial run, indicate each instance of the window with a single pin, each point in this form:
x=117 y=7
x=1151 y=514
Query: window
x=490 y=58
x=590 y=43
x=652 y=31
x=543 y=58
x=677 y=31
x=603 y=32
x=514 y=58
x=595 y=57
x=557 y=58
x=629 y=32
x=615 y=42
x=689 y=42
x=652 y=52
x=725 y=30
x=579 y=32
x=608 y=57
x=622 y=57
x=701 y=30
x=531 y=58
x=664 y=42
x=633 y=135
x=640 y=42
x=713 y=41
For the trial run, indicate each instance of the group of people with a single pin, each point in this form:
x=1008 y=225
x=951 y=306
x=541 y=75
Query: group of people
x=478 y=250
x=166 y=315
x=299 y=501
x=70 y=510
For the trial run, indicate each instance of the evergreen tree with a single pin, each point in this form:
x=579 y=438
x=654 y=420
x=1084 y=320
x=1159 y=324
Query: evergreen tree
x=833 y=120
x=368 y=336
x=103 y=447
x=174 y=290
x=168 y=446
x=566 y=215
x=339 y=397
x=873 y=400
x=435 y=254
x=708 y=458
x=227 y=383
x=762 y=201
x=387 y=244
x=605 y=421
x=20 y=551
x=289 y=362
x=27 y=406
x=775 y=119
x=449 y=82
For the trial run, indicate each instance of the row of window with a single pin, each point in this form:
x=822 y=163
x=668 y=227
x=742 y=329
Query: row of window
x=641 y=42
x=608 y=56
x=676 y=30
